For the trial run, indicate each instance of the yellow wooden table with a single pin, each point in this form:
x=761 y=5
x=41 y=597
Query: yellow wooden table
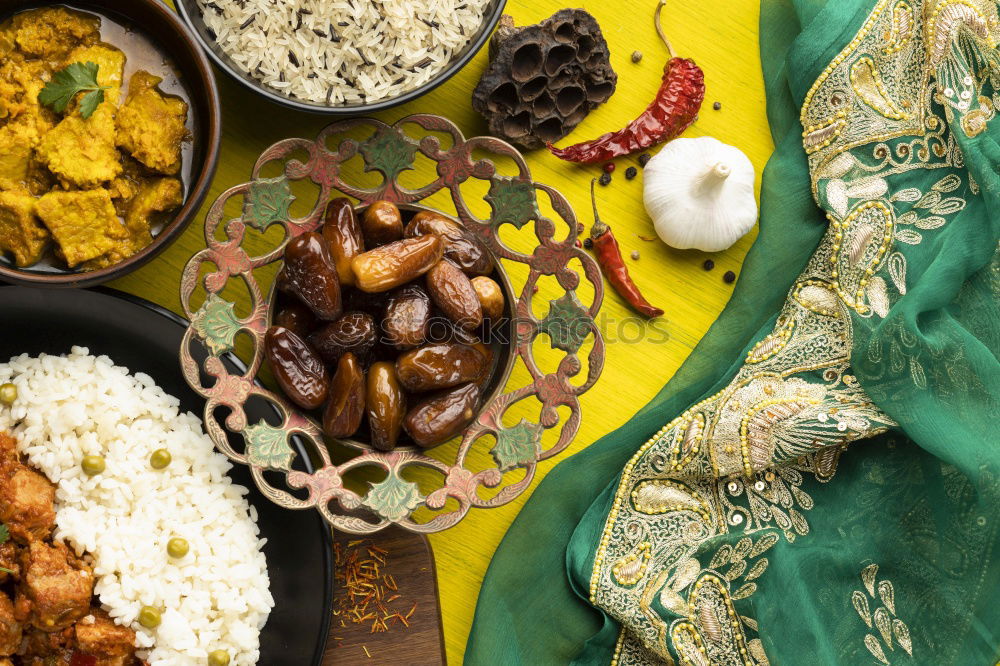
x=721 y=36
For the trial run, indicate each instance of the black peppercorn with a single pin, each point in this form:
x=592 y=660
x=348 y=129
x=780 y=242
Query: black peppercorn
x=605 y=178
x=588 y=243
x=729 y=277
x=717 y=106
x=631 y=173
x=643 y=159
x=708 y=265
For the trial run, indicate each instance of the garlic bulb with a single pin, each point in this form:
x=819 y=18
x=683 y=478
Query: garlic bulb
x=699 y=194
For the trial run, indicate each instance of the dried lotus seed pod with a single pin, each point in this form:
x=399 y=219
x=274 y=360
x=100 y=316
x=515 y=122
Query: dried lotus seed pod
x=544 y=79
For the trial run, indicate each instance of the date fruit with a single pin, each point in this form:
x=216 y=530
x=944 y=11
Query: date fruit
x=443 y=329
x=354 y=332
x=298 y=369
x=488 y=355
x=439 y=366
x=342 y=234
x=296 y=317
x=407 y=316
x=310 y=275
x=454 y=294
x=346 y=405
x=490 y=296
x=461 y=247
x=382 y=223
x=395 y=264
x=442 y=416
x=386 y=405
x=376 y=315
x=373 y=304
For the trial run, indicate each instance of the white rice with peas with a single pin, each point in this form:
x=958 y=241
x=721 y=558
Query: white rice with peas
x=216 y=597
x=341 y=52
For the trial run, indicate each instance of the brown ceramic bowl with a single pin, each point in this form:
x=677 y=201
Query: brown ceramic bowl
x=168 y=39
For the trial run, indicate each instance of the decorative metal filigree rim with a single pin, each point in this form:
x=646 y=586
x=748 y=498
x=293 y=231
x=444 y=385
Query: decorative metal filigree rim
x=389 y=150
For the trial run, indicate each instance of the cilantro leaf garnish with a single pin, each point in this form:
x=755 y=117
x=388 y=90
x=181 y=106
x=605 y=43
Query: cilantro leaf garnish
x=75 y=78
x=4 y=535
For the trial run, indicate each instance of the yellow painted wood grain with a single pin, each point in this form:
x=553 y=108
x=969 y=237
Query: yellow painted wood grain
x=721 y=35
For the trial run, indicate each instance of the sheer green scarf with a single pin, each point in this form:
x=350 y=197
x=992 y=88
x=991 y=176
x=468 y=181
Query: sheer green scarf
x=880 y=551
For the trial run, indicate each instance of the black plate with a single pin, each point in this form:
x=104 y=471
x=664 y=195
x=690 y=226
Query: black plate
x=146 y=338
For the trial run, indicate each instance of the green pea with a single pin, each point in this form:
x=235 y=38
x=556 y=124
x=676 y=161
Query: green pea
x=218 y=658
x=177 y=547
x=149 y=617
x=8 y=393
x=92 y=465
x=160 y=458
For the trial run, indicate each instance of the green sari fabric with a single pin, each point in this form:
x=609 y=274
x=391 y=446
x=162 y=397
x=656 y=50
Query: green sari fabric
x=820 y=481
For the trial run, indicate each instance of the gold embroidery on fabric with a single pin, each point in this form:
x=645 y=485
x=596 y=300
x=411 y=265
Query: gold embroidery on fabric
x=631 y=569
x=883 y=621
x=771 y=415
x=901 y=31
x=816 y=296
x=756 y=431
x=819 y=136
x=868 y=85
x=735 y=462
x=688 y=441
x=662 y=495
x=950 y=15
x=779 y=503
x=772 y=344
x=975 y=121
x=973 y=185
x=856 y=234
x=712 y=632
x=713 y=635
x=829 y=95
x=883 y=86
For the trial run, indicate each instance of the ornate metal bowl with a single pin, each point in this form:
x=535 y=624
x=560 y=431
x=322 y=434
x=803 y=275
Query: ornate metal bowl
x=227 y=264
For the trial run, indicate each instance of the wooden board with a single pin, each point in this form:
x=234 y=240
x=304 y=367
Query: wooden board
x=410 y=561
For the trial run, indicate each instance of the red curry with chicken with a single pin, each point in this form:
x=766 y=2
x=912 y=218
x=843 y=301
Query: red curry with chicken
x=48 y=613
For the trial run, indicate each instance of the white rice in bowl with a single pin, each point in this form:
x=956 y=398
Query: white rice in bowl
x=217 y=596
x=342 y=52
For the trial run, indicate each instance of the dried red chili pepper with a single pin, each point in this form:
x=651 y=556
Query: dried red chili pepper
x=671 y=112
x=609 y=256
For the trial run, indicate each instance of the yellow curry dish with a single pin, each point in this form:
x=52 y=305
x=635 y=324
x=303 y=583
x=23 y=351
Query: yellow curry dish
x=90 y=159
